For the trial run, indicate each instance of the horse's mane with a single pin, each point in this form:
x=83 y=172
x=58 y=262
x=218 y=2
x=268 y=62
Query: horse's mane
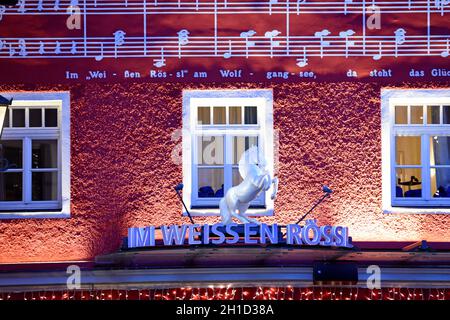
x=251 y=157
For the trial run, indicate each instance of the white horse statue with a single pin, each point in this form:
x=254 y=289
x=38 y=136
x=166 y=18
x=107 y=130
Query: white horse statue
x=256 y=179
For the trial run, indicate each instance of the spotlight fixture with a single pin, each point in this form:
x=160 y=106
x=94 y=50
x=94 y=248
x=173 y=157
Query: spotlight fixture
x=327 y=192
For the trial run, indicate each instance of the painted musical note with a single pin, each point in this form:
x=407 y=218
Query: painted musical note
x=380 y=52
x=298 y=5
x=2 y=45
x=2 y=11
x=303 y=62
x=272 y=34
x=73 y=49
x=41 y=48
x=321 y=35
x=99 y=57
x=40 y=6
x=446 y=53
x=440 y=5
x=161 y=62
x=21 y=8
x=229 y=53
x=346 y=2
x=345 y=35
x=400 y=38
x=183 y=39
x=56 y=5
x=12 y=51
x=248 y=43
x=22 y=48
x=58 y=47
x=119 y=40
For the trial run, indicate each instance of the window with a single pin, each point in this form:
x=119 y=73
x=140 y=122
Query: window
x=218 y=127
x=34 y=155
x=416 y=147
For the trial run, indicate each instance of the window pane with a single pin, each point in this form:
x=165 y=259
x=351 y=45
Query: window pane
x=44 y=186
x=210 y=150
x=18 y=118
x=235 y=115
x=220 y=115
x=210 y=182
x=204 y=116
x=10 y=186
x=440 y=182
x=433 y=115
x=51 y=117
x=408 y=183
x=240 y=145
x=35 y=117
x=416 y=114
x=44 y=154
x=250 y=115
x=401 y=115
x=236 y=177
x=439 y=150
x=407 y=150
x=11 y=150
x=446 y=111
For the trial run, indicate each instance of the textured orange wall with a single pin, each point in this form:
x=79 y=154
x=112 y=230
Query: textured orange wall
x=122 y=173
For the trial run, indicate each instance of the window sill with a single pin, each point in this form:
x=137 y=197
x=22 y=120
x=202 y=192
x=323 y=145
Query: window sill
x=416 y=210
x=34 y=215
x=216 y=213
x=217 y=207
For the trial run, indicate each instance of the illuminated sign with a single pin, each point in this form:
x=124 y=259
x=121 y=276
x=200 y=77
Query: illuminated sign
x=217 y=234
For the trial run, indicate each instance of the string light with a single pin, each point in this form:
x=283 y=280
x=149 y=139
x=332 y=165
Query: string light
x=230 y=292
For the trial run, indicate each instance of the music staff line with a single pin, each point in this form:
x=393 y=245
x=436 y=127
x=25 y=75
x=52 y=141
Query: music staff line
x=301 y=47
x=227 y=7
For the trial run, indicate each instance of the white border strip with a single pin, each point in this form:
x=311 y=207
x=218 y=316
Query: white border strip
x=267 y=96
x=389 y=96
x=49 y=97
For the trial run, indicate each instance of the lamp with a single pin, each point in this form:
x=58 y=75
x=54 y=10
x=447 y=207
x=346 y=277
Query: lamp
x=327 y=192
x=4 y=104
x=178 y=188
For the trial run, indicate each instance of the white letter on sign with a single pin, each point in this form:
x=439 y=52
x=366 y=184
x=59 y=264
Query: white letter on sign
x=74 y=280
x=374 y=280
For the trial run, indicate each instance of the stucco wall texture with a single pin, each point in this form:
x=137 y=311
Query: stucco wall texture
x=122 y=173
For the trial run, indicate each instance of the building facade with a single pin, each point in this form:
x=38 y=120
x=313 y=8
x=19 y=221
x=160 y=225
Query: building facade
x=106 y=122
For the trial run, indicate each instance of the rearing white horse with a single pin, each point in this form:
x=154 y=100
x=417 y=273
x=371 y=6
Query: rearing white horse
x=256 y=179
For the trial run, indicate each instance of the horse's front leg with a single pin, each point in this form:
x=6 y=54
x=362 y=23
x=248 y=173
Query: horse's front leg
x=260 y=181
x=275 y=188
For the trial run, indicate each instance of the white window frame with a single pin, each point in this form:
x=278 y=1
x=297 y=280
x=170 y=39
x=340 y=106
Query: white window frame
x=263 y=99
x=389 y=99
x=44 y=209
